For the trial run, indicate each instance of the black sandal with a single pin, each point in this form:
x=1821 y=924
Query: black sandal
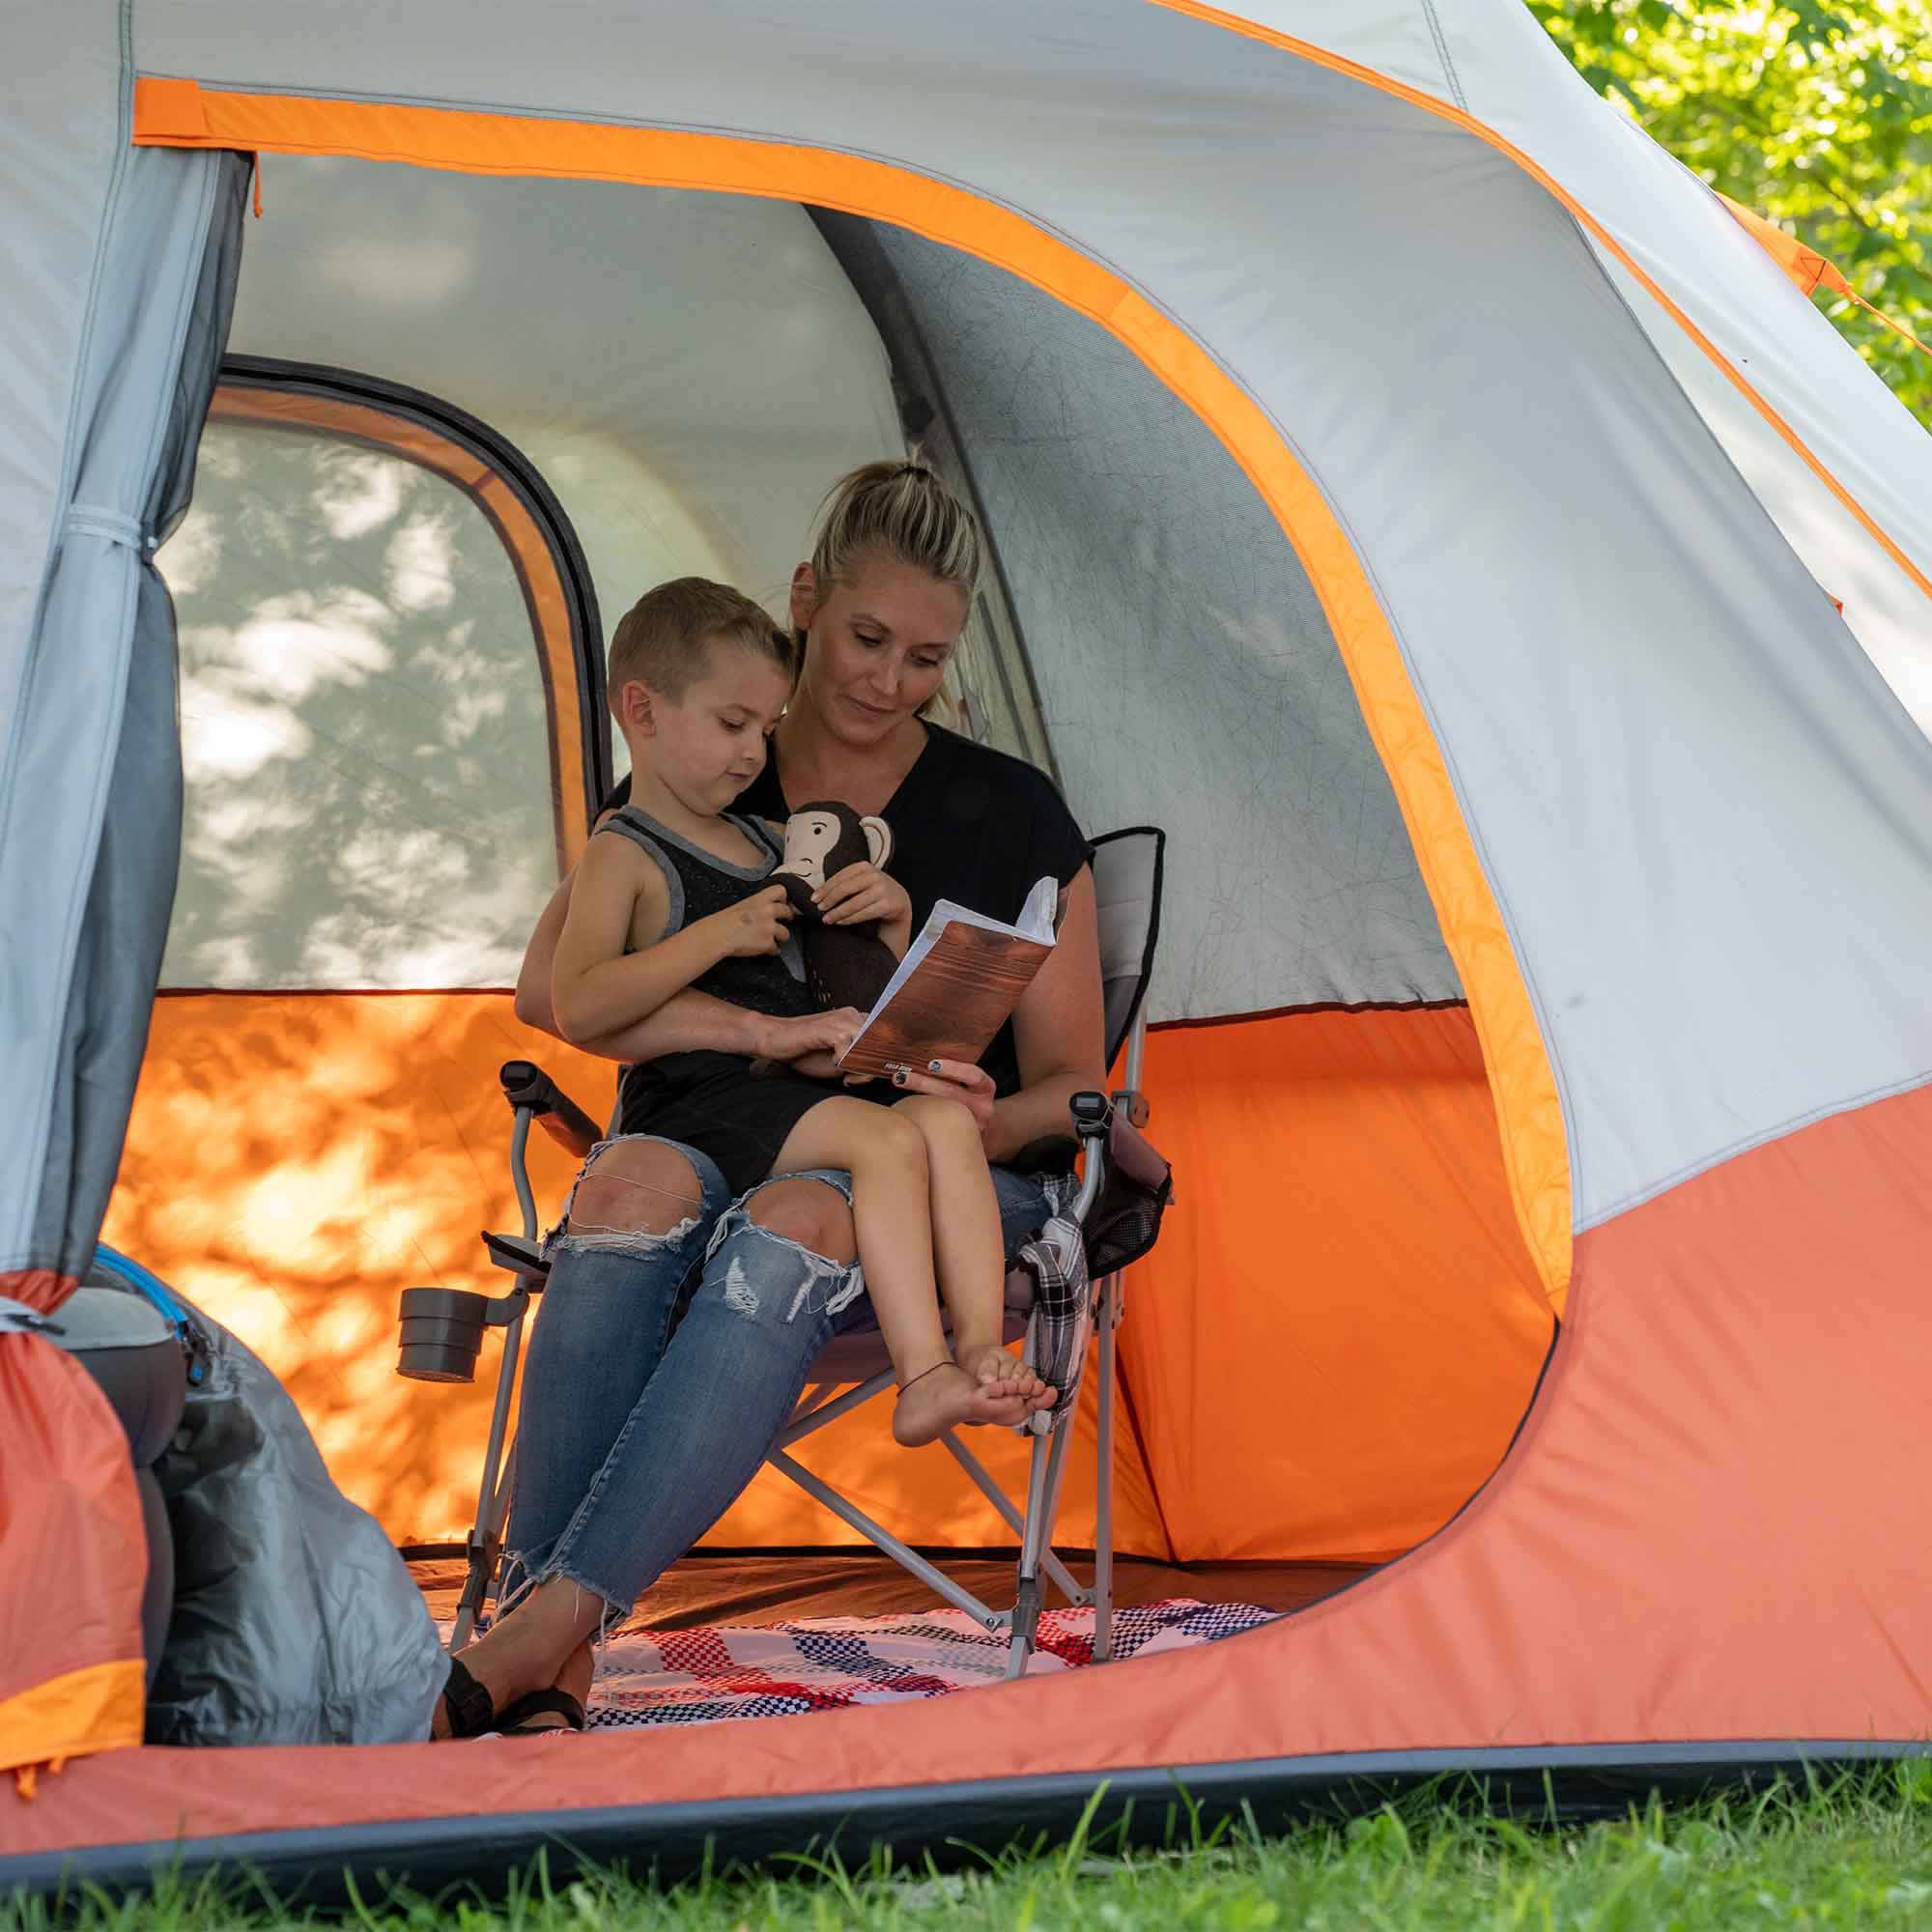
x=471 y=1713
x=511 y=1720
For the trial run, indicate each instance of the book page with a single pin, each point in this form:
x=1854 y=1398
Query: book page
x=958 y=984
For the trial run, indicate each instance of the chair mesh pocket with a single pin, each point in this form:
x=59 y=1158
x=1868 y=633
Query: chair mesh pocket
x=1126 y=1219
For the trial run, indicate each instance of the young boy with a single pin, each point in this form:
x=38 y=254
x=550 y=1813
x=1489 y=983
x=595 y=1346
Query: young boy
x=670 y=893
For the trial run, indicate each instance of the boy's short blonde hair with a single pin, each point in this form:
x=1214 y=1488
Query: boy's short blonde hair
x=663 y=640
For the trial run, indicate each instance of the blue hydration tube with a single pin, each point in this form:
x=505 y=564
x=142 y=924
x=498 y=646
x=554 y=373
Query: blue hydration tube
x=151 y=1288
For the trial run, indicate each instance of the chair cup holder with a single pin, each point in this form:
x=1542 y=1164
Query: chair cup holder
x=442 y=1334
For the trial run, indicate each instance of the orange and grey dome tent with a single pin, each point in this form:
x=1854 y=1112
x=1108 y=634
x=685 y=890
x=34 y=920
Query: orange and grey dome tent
x=1408 y=485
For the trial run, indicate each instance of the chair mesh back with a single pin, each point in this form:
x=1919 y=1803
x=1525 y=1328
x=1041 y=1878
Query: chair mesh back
x=1126 y=888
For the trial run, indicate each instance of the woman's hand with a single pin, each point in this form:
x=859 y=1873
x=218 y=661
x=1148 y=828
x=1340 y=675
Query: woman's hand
x=955 y=1080
x=862 y=892
x=808 y=1043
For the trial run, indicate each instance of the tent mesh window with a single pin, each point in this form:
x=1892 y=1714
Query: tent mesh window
x=374 y=792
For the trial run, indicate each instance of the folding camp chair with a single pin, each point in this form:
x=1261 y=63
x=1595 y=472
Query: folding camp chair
x=1123 y=1190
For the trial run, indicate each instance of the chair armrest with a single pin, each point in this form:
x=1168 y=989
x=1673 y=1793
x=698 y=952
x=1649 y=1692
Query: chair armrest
x=525 y=1084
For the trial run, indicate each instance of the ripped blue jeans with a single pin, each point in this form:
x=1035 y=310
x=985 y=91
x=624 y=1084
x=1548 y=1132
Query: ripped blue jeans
x=660 y=1371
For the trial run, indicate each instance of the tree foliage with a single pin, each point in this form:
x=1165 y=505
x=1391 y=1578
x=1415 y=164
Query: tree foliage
x=1817 y=115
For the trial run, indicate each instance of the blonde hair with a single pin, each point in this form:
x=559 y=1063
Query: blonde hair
x=663 y=640
x=904 y=511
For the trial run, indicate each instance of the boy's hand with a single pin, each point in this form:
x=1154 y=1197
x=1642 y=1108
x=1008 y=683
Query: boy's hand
x=862 y=892
x=754 y=926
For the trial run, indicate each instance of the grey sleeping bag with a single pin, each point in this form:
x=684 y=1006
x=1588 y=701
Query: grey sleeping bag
x=295 y=1620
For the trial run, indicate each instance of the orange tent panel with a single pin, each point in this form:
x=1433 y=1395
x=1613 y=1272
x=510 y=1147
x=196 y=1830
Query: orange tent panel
x=1343 y=1231
x=1593 y=1596
x=71 y=1674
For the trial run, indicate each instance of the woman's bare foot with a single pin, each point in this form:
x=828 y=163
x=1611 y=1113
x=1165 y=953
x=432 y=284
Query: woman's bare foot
x=996 y=1370
x=946 y=1398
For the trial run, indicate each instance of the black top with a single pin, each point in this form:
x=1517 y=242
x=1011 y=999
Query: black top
x=700 y=884
x=742 y=1133
x=968 y=824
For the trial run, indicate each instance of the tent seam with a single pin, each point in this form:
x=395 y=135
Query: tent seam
x=1797 y=1124
x=1441 y=41
x=718 y=130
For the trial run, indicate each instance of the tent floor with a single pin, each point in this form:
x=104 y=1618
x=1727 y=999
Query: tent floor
x=768 y=1586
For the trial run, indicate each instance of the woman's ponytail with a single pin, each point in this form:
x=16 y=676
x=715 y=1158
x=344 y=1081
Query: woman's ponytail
x=903 y=511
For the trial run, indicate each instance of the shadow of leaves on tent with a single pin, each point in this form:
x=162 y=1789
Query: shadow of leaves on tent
x=363 y=725
x=294 y=1163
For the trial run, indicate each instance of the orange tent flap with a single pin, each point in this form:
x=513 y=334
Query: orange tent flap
x=1693 y=1505
x=1805 y=265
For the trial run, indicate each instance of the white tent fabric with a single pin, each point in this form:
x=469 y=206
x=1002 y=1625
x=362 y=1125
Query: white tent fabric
x=1579 y=580
x=1491 y=59
x=687 y=372
x=1884 y=609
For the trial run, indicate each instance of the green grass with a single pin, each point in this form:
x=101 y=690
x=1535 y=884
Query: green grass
x=1856 y=1852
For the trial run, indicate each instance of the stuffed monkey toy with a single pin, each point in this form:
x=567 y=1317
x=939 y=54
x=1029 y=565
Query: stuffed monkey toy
x=847 y=965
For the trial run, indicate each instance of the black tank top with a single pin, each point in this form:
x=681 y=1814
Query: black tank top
x=701 y=884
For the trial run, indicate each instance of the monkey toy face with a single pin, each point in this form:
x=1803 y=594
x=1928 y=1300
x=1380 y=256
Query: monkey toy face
x=820 y=841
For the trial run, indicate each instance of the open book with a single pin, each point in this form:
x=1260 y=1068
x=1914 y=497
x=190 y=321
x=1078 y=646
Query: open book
x=958 y=984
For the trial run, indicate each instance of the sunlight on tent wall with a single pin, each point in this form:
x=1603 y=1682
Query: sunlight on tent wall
x=363 y=725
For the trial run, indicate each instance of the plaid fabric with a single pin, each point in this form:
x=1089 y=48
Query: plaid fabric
x=1062 y=1302
x=827 y=1663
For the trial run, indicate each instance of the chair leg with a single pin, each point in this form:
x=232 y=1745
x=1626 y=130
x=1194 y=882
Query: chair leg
x=486 y=1553
x=1108 y=1299
x=1049 y=1465
x=492 y=1495
x=493 y=1492
x=881 y=1538
x=1001 y=1502
x=814 y=1398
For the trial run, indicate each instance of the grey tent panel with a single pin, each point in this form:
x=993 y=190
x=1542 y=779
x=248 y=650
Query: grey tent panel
x=1186 y=673
x=90 y=792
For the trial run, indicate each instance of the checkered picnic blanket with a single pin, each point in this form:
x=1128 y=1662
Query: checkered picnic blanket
x=826 y=1663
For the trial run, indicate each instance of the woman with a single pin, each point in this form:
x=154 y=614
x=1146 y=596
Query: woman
x=636 y=1437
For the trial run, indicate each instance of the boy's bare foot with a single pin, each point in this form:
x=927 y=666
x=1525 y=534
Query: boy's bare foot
x=946 y=1398
x=993 y=1368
